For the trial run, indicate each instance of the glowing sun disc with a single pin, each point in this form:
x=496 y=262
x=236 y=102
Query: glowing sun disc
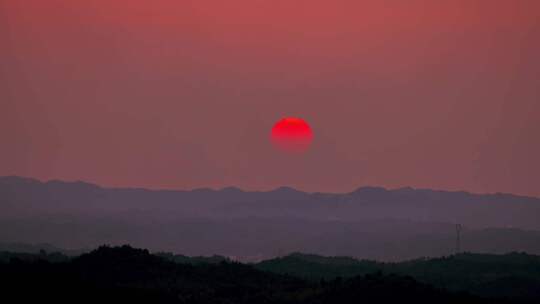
x=292 y=134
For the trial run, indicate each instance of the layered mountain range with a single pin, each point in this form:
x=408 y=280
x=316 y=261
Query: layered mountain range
x=370 y=222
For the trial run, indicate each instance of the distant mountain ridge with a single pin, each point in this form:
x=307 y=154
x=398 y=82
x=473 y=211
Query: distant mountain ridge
x=365 y=203
x=370 y=222
x=15 y=179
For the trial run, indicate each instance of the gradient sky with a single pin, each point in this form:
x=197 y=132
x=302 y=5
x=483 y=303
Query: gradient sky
x=183 y=94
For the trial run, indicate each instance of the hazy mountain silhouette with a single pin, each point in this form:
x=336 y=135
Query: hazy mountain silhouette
x=370 y=222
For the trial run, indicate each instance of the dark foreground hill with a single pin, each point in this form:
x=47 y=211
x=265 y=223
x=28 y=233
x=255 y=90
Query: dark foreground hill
x=373 y=223
x=514 y=275
x=127 y=275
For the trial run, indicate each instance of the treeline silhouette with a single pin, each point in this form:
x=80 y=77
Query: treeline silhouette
x=130 y=275
x=513 y=276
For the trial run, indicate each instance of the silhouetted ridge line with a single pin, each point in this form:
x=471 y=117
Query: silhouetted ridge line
x=135 y=275
x=282 y=189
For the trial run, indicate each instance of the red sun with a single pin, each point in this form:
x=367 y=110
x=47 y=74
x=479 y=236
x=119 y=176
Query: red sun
x=292 y=134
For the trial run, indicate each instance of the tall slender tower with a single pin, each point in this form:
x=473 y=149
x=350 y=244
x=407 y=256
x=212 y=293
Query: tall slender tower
x=458 y=238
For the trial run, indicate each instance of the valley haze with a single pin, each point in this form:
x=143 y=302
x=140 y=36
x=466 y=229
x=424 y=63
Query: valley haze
x=370 y=222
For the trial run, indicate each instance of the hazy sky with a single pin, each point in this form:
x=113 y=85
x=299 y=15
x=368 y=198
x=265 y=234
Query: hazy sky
x=183 y=94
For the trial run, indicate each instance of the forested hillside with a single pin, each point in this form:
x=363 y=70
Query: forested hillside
x=128 y=275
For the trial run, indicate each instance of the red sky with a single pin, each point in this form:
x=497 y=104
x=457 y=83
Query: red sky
x=183 y=94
